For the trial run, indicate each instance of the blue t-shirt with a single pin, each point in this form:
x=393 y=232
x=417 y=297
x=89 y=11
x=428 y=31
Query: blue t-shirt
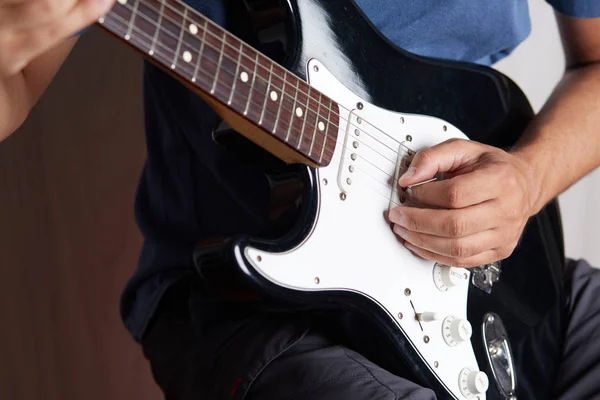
x=191 y=189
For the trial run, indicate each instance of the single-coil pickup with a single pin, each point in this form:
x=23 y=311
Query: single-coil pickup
x=351 y=155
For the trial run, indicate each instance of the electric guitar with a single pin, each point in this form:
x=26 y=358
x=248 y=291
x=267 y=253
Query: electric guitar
x=323 y=91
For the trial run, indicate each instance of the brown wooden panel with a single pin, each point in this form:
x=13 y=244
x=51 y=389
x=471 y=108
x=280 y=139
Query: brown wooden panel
x=68 y=241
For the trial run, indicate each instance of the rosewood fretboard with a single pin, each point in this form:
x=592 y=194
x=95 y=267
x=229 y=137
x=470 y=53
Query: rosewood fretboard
x=221 y=65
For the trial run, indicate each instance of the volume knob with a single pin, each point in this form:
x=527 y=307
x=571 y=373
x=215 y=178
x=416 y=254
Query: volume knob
x=446 y=277
x=473 y=383
x=456 y=330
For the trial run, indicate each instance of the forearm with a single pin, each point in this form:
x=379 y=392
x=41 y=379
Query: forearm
x=562 y=144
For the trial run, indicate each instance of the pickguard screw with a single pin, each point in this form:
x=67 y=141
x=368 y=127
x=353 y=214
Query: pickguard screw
x=259 y=258
x=349 y=181
x=407 y=291
x=400 y=315
x=317 y=280
x=343 y=196
x=351 y=168
x=325 y=181
x=402 y=199
x=401 y=120
x=316 y=68
x=409 y=138
x=359 y=106
x=355 y=144
x=436 y=364
x=353 y=156
x=426 y=339
x=445 y=128
x=357 y=132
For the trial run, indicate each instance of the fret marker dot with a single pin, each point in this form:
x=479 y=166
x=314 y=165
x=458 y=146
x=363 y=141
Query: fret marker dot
x=244 y=77
x=101 y=20
x=274 y=96
x=299 y=112
x=321 y=126
x=123 y=2
x=187 y=56
x=151 y=52
x=193 y=29
x=127 y=37
x=172 y=66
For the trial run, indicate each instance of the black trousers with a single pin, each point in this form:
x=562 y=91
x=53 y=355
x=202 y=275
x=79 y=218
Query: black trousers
x=203 y=349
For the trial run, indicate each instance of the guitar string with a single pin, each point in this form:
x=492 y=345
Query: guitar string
x=258 y=64
x=387 y=175
x=269 y=110
x=218 y=27
x=178 y=24
x=384 y=184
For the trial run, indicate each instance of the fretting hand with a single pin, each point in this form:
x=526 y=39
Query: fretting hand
x=485 y=204
x=29 y=28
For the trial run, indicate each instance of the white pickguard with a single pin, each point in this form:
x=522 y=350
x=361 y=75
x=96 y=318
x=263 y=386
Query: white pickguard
x=353 y=248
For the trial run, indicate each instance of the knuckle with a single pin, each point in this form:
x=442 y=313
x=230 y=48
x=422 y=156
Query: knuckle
x=423 y=155
x=454 y=196
x=459 y=249
x=412 y=223
x=454 y=227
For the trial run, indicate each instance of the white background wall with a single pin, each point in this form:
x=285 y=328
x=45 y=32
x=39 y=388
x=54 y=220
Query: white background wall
x=537 y=66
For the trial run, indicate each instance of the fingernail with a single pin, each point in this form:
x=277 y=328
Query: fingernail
x=408 y=173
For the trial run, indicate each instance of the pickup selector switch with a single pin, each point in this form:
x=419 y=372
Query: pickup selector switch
x=456 y=330
x=445 y=277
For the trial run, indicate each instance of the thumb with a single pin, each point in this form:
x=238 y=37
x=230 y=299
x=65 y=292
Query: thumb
x=444 y=157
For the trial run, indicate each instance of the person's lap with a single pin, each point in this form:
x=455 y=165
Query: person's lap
x=238 y=352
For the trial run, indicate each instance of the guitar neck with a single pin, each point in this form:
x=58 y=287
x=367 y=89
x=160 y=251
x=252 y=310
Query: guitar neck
x=226 y=69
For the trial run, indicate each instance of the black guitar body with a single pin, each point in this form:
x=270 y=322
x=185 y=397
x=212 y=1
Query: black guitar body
x=487 y=107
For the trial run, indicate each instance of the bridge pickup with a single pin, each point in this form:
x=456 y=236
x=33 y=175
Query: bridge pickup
x=401 y=196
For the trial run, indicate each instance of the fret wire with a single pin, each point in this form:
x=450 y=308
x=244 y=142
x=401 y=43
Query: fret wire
x=266 y=96
x=159 y=26
x=200 y=52
x=221 y=52
x=312 y=141
x=131 y=20
x=280 y=105
x=202 y=43
x=182 y=30
x=143 y=33
x=207 y=21
x=237 y=70
x=293 y=112
x=256 y=65
x=252 y=84
x=305 y=118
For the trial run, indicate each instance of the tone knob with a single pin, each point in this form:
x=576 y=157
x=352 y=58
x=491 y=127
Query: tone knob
x=446 y=277
x=456 y=330
x=472 y=383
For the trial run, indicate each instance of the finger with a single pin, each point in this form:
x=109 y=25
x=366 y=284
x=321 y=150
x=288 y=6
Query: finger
x=463 y=247
x=486 y=257
x=447 y=223
x=460 y=191
x=25 y=14
x=447 y=156
x=21 y=47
